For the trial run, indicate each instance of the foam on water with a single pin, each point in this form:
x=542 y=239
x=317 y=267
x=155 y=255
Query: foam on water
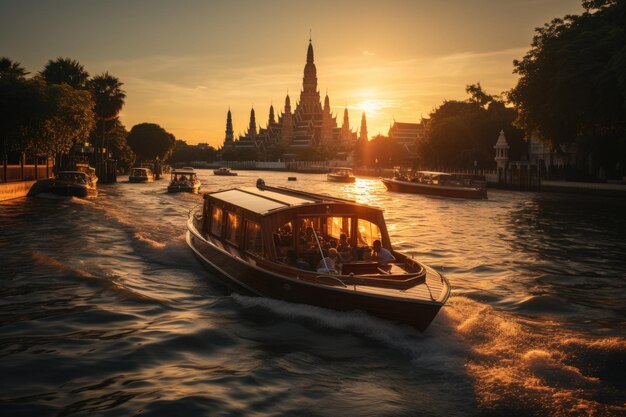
x=519 y=366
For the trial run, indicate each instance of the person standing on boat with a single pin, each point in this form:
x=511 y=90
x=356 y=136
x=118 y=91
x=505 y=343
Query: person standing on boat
x=381 y=254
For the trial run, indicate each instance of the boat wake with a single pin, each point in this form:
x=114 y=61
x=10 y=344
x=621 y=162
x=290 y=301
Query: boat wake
x=425 y=350
x=106 y=282
x=523 y=368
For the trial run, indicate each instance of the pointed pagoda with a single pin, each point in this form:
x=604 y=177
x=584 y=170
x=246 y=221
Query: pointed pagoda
x=228 y=139
x=363 y=131
x=309 y=126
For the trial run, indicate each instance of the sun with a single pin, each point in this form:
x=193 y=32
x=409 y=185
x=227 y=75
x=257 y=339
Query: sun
x=370 y=106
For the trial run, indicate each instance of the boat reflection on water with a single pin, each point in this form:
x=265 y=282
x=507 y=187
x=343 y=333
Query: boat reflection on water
x=252 y=237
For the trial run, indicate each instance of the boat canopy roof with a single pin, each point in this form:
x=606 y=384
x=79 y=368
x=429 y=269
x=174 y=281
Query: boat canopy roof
x=183 y=171
x=333 y=169
x=267 y=200
x=141 y=169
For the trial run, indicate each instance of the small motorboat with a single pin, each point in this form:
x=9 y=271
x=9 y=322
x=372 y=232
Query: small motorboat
x=73 y=184
x=341 y=175
x=312 y=249
x=224 y=171
x=141 y=175
x=183 y=180
x=435 y=183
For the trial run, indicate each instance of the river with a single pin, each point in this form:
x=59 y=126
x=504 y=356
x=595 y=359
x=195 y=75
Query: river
x=105 y=311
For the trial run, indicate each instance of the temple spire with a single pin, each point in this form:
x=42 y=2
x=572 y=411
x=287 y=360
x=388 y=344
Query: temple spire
x=287 y=104
x=271 y=118
x=229 y=128
x=252 y=127
x=363 y=132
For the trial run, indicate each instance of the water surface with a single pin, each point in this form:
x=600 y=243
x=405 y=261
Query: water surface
x=105 y=311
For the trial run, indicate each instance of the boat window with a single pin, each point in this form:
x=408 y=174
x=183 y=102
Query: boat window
x=283 y=239
x=335 y=226
x=216 y=221
x=253 y=238
x=368 y=232
x=233 y=227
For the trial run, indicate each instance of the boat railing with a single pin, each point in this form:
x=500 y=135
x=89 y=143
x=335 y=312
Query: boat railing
x=321 y=278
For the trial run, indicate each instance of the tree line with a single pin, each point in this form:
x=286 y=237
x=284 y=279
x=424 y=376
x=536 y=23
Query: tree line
x=62 y=106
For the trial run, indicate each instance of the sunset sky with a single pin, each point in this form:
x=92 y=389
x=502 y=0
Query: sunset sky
x=184 y=63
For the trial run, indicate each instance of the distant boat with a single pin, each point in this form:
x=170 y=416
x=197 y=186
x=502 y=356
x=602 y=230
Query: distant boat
x=269 y=241
x=74 y=184
x=183 y=180
x=341 y=175
x=434 y=183
x=224 y=171
x=141 y=175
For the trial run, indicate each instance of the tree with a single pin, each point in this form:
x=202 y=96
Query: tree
x=43 y=119
x=11 y=69
x=187 y=153
x=461 y=133
x=108 y=96
x=65 y=71
x=151 y=141
x=116 y=139
x=109 y=100
x=571 y=92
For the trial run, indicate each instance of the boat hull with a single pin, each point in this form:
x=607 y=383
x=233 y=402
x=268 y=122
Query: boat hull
x=194 y=190
x=435 y=190
x=247 y=278
x=334 y=178
x=72 y=190
x=140 y=179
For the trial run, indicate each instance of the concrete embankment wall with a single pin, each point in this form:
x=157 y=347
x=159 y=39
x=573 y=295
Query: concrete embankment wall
x=17 y=189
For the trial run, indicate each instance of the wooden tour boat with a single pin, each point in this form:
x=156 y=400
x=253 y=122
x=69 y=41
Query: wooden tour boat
x=183 y=180
x=141 y=175
x=269 y=241
x=73 y=184
x=341 y=174
x=224 y=171
x=435 y=183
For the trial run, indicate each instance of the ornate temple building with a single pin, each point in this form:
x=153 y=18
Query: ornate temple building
x=310 y=131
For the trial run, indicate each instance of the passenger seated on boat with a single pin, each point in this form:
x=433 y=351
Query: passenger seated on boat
x=308 y=235
x=381 y=254
x=292 y=260
x=344 y=248
x=330 y=263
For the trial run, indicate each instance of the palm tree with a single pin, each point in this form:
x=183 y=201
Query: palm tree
x=108 y=96
x=109 y=100
x=65 y=71
x=11 y=69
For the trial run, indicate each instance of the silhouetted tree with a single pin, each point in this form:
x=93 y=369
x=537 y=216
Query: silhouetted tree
x=65 y=71
x=460 y=133
x=11 y=69
x=572 y=87
x=43 y=119
x=149 y=141
x=116 y=135
x=187 y=153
